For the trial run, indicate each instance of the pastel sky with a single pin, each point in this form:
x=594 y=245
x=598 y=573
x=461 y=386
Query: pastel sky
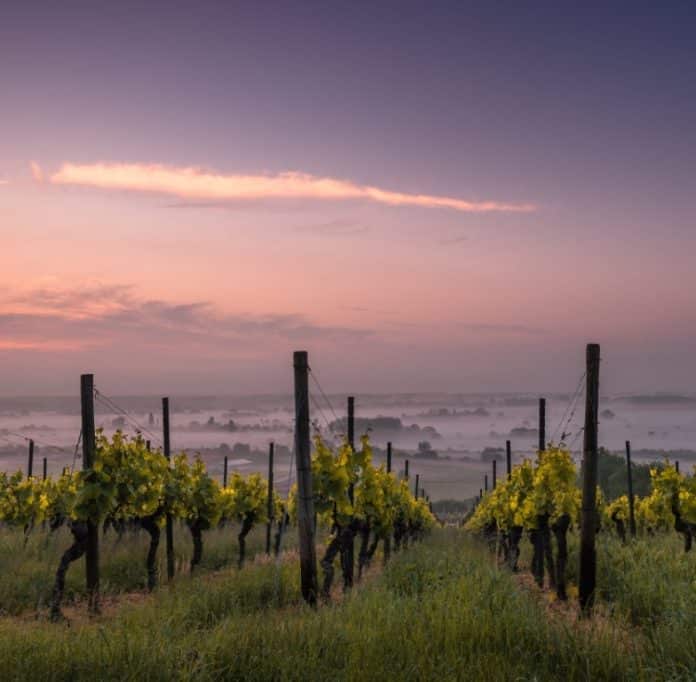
x=426 y=196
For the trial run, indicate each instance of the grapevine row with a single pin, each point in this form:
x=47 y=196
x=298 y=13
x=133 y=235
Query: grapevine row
x=130 y=485
x=543 y=498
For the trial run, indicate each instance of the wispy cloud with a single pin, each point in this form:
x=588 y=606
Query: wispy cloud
x=194 y=183
x=113 y=316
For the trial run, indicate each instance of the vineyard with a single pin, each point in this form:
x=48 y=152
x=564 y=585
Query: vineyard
x=543 y=499
x=186 y=576
x=130 y=486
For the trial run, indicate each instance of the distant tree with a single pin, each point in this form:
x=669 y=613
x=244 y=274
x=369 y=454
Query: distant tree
x=613 y=475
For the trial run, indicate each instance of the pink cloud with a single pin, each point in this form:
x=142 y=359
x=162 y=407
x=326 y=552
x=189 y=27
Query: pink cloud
x=194 y=183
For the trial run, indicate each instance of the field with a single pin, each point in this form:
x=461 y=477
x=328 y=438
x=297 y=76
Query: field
x=442 y=610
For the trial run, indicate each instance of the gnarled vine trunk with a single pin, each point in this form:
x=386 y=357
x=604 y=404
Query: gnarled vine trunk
x=149 y=523
x=280 y=529
x=503 y=546
x=363 y=554
x=399 y=534
x=197 y=535
x=490 y=533
x=560 y=530
x=327 y=562
x=347 y=542
x=247 y=525
x=685 y=528
x=373 y=548
x=73 y=553
x=548 y=549
x=514 y=537
x=620 y=526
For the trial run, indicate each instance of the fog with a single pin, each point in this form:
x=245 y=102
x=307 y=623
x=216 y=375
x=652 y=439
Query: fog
x=449 y=438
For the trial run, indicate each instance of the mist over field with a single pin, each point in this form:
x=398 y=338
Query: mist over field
x=450 y=439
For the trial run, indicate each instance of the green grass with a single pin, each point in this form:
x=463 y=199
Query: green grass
x=440 y=611
x=649 y=581
x=27 y=570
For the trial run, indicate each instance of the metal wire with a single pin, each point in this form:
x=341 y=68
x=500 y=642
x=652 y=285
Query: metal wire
x=108 y=402
x=572 y=403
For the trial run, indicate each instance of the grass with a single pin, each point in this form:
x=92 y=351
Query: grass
x=443 y=610
x=27 y=570
x=647 y=581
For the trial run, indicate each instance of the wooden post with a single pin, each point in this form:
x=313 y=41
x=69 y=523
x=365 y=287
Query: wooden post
x=224 y=472
x=676 y=466
x=45 y=468
x=148 y=445
x=387 y=540
x=406 y=469
x=480 y=493
x=508 y=458
x=169 y=529
x=542 y=424
x=351 y=421
x=631 y=510
x=415 y=487
x=495 y=473
x=349 y=558
x=485 y=482
x=30 y=462
x=588 y=520
x=269 y=525
x=88 y=455
x=305 y=497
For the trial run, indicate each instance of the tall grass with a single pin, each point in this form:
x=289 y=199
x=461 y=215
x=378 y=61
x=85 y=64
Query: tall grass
x=27 y=568
x=442 y=610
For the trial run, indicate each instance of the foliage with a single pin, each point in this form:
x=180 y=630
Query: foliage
x=379 y=499
x=129 y=482
x=533 y=490
x=550 y=487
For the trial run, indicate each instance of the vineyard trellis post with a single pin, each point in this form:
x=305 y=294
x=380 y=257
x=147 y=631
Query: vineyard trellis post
x=349 y=549
x=588 y=519
x=542 y=424
x=406 y=469
x=270 y=497
x=88 y=455
x=45 y=468
x=676 y=466
x=631 y=501
x=224 y=472
x=495 y=473
x=148 y=445
x=30 y=461
x=508 y=458
x=351 y=436
x=485 y=482
x=415 y=487
x=305 y=497
x=387 y=540
x=169 y=529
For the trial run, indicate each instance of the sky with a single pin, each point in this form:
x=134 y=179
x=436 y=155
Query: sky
x=425 y=196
